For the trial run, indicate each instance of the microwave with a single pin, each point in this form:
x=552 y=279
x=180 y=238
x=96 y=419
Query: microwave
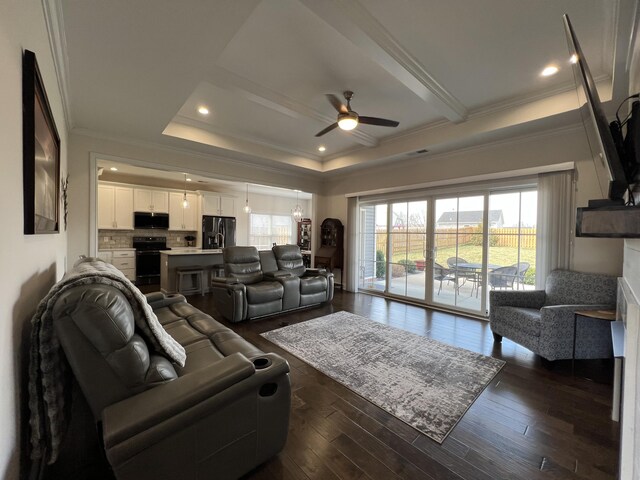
x=151 y=220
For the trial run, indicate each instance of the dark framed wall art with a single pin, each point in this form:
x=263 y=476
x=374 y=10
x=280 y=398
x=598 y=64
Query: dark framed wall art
x=41 y=152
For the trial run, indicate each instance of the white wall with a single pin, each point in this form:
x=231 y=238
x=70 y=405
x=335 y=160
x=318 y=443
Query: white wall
x=31 y=264
x=81 y=147
x=569 y=145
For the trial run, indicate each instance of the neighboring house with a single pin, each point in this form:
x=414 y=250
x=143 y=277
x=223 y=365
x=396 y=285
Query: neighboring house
x=469 y=219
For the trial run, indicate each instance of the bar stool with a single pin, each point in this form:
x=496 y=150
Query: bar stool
x=195 y=274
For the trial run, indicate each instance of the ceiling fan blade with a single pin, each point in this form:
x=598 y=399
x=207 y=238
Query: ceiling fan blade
x=382 y=122
x=327 y=130
x=337 y=104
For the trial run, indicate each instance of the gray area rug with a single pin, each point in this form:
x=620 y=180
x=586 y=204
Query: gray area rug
x=425 y=383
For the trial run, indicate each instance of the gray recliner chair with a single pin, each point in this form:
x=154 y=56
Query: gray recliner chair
x=316 y=285
x=542 y=320
x=222 y=414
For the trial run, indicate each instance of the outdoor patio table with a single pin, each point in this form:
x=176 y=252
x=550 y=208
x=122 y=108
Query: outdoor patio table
x=476 y=269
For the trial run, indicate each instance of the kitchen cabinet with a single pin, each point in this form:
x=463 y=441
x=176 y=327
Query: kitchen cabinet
x=123 y=259
x=181 y=218
x=115 y=207
x=146 y=200
x=219 y=205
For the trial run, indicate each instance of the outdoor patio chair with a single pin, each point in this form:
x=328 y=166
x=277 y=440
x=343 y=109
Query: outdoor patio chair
x=440 y=273
x=522 y=270
x=503 y=277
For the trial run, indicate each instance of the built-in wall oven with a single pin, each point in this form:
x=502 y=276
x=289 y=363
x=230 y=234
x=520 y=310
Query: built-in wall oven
x=148 y=259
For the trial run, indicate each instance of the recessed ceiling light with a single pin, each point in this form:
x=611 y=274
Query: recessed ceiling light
x=550 y=70
x=188 y=179
x=322 y=148
x=113 y=169
x=202 y=110
x=574 y=58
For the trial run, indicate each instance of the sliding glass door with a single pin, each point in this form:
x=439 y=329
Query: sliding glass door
x=459 y=258
x=407 y=247
x=512 y=240
x=449 y=250
x=373 y=235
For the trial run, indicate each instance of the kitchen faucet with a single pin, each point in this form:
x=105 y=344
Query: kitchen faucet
x=216 y=239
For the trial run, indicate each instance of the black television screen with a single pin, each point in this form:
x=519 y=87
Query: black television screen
x=608 y=165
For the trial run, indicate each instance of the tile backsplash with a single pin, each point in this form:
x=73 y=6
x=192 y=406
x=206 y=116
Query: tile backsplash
x=108 y=239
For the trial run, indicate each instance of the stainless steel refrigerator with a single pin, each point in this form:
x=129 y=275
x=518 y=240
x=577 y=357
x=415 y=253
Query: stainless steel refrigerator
x=218 y=232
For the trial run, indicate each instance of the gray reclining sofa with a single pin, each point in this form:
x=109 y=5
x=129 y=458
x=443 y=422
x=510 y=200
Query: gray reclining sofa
x=222 y=414
x=260 y=283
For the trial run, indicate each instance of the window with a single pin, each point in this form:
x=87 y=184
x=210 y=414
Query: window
x=266 y=229
x=512 y=239
x=450 y=249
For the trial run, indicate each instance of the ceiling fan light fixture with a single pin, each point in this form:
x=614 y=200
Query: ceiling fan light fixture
x=348 y=121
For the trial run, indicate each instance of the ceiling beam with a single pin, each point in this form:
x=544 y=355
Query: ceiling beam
x=266 y=97
x=355 y=23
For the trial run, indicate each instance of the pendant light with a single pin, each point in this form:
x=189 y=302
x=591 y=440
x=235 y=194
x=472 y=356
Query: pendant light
x=247 y=208
x=185 y=202
x=297 y=211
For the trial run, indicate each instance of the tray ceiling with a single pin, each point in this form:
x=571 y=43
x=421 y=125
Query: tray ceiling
x=452 y=73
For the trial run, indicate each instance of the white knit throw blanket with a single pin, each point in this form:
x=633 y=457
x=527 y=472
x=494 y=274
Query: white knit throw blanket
x=48 y=371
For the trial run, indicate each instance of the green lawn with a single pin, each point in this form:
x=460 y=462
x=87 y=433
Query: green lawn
x=503 y=256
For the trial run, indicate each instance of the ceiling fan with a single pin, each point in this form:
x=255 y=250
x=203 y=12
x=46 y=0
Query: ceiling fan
x=348 y=119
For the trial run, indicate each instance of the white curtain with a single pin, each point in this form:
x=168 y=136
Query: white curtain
x=556 y=218
x=352 y=245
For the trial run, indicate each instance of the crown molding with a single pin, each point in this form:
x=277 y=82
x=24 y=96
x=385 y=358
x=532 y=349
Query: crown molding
x=289 y=170
x=526 y=137
x=58 y=43
x=228 y=133
x=611 y=14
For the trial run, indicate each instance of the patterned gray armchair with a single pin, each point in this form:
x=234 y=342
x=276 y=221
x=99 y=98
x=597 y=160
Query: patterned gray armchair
x=542 y=320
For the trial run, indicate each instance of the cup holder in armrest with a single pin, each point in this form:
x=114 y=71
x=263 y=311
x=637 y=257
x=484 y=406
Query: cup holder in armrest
x=261 y=362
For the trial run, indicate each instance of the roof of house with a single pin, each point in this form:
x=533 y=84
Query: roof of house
x=469 y=217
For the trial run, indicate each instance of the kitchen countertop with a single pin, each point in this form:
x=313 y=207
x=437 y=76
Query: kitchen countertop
x=115 y=249
x=190 y=251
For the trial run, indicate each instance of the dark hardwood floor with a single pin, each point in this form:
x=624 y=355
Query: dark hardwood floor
x=529 y=423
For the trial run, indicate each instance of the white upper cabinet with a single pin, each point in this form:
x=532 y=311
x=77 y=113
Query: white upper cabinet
x=146 y=200
x=228 y=206
x=213 y=204
x=210 y=204
x=115 y=207
x=181 y=218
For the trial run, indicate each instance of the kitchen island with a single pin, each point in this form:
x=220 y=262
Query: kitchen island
x=170 y=260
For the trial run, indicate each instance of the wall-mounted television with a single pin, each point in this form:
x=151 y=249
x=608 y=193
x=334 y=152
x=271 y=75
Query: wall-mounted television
x=608 y=164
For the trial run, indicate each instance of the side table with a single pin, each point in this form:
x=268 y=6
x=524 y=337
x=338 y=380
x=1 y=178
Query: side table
x=604 y=315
